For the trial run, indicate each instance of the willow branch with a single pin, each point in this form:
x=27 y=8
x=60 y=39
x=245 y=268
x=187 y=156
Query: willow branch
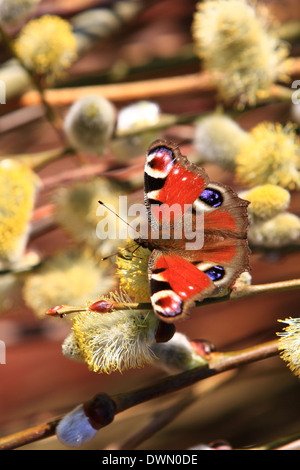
x=289 y=31
x=202 y=82
x=33 y=434
x=165 y=416
x=293 y=65
x=291 y=442
x=90 y=27
x=243 y=290
x=50 y=112
x=38 y=160
x=145 y=89
x=158 y=421
x=239 y=291
x=74 y=174
x=218 y=363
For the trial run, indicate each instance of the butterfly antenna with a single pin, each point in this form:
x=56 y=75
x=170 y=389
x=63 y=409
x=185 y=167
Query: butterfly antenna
x=125 y=222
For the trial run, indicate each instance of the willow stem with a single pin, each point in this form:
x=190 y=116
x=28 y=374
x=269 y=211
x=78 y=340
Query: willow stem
x=199 y=82
x=285 y=443
x=243 y=290
x=165 y=416
x=239 y=291
x=202 y=82
x=38 y=160
x=53 y=118
x=219 y=362
x=289 y=31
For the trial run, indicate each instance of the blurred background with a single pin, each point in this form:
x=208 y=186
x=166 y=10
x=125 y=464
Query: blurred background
x=258 y=403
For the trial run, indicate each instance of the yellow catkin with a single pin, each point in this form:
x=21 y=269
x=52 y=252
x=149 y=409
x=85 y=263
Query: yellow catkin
x=237 y=45
x=18 y=186
x=132 y=270
x=266 y=201
x=78 y=212
x=270 y=155
x=289 y=344
x=47 y=46
x=71 y=278
x=115 y=341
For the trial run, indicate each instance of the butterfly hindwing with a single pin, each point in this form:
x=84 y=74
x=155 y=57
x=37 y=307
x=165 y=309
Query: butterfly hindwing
x=175 y=284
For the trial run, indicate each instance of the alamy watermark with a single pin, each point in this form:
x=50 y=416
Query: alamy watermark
x=176 y=222
x=2 y=92
x=296 y=93
x=2 y=352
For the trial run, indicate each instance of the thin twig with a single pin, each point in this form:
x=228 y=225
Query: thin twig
x=291 y=442
x=50 y=112
x=243 y=290
x=219 y=362
x=289 y=31
x=158 y=421
x=165 y=416
x=66 y=176
x=38 y=160
x=90 y=27
x=41 y=431
x=239 y=290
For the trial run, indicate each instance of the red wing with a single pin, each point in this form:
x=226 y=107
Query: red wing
x=170 y=180
x=224 y=261
x=175 y=284
x=229 y=214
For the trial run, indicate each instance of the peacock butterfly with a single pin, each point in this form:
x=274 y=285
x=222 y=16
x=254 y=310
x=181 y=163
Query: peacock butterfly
x=178 y=274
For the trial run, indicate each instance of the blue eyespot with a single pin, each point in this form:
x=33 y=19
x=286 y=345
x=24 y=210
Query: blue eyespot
x=215 y=273
x=212 y=197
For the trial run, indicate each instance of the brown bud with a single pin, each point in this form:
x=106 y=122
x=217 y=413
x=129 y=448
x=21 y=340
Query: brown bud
x=100 y=410
x=54 y=311
x=203 y=348
x=165 y=332
x=220 y=445
x=102 y=306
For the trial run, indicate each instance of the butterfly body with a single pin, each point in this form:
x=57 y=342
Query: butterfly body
x=197 y=232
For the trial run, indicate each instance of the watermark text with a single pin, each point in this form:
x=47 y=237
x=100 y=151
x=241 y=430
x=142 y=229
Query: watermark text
x=296 y=93
x=2 y=352
x=176 y=222
x=2 y=92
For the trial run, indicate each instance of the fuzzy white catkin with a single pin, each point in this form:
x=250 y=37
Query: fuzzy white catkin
x=12 y=11
x=89 y=124
x=218 y=139
x=70 y=348
x=75 y=429
x=281 y=230
x=176 y=355
x=132 y=118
